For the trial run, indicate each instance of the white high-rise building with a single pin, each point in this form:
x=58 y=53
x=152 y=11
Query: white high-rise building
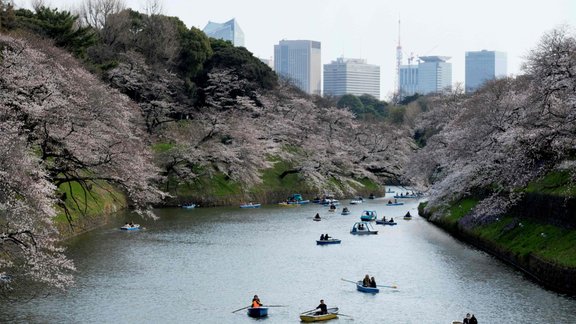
x=434 y=74
x=351 y=76
x=229 y=31
x=300 y=62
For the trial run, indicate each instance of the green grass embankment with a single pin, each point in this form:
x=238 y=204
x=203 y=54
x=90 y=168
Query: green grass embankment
x=277 y=184
x=87 y=209
x=524 y=236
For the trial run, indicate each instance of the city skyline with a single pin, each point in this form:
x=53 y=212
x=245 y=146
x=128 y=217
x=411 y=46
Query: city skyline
x=369 y=30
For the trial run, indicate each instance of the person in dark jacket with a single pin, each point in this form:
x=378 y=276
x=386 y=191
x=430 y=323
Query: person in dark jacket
x=466 y=320
x=373 y=282
x=473 y=320
x=323 y=308
x=366 y=281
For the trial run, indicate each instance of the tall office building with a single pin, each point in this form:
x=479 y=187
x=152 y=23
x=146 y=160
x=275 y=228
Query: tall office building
x=408 y=80
x=351 y=76
x=482 y=66
x=300 y=61
x=229 y=31
x=434 y=74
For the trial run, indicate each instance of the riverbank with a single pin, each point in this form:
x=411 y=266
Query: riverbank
x=544 y=252
x=85 y=209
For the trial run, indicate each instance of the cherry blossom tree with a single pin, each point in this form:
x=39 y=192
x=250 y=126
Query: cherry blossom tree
x=507 y=134
x=60 y=125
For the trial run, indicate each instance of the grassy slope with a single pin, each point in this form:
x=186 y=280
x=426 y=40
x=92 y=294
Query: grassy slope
x=551 y=243
x=88 y=208
x=271 y=189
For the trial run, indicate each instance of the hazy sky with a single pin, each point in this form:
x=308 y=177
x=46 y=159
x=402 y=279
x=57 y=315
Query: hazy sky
x=369 y=28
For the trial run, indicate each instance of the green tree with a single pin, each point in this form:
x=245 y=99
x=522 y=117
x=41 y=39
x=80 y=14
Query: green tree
x=7 y=15
x=396 y=114
x=195 y=50
x=61 y=26
x=351 y=102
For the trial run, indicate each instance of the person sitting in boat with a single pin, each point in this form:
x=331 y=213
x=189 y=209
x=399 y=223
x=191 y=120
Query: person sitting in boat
x=322 y=237
x=256 y=302
x=389 y=202
x=391 y=220
x=366 y=281
x=345 y=209
x=317 y=216
x=326 y=237
x=408 y=214
x=395 y=200
x=323 y=308
x=131 y=224
x=383 y=218
x=361 y=227
x=332 y=206
x=373 y=282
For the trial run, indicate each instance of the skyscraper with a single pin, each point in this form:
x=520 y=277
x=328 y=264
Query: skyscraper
x=229 y=31
x=300 y=61
x=434 y=74
x=351 y=76
x=482 y=66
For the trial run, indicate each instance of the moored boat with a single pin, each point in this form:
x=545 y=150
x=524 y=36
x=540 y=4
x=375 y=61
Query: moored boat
x=258 y=311
x=357 y=200
x=188 y=206
x=328 y=241
x=130 y=227
x=315 y=316
x=394 y=203
x=365 y=289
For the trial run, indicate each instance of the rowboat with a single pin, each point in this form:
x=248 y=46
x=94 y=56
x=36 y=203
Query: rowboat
x=394 y=204
x=407 y=217
x=129 y=227
x=382 y=222
x=368 y=215
x=362 y=228
x=328 y=241
x=188 y=206
x=390 y=191
x=258 y=311
x=250 y=205
x=362 y=288
x=313 y=316
x=346 y=211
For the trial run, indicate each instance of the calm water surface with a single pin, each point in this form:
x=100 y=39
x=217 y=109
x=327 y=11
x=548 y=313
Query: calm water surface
x=197 y=266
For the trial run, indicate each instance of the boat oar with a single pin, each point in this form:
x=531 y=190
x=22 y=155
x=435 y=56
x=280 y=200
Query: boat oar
x=344 y=315
x=274 y=306
x=240 y=309
x=393 y=287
